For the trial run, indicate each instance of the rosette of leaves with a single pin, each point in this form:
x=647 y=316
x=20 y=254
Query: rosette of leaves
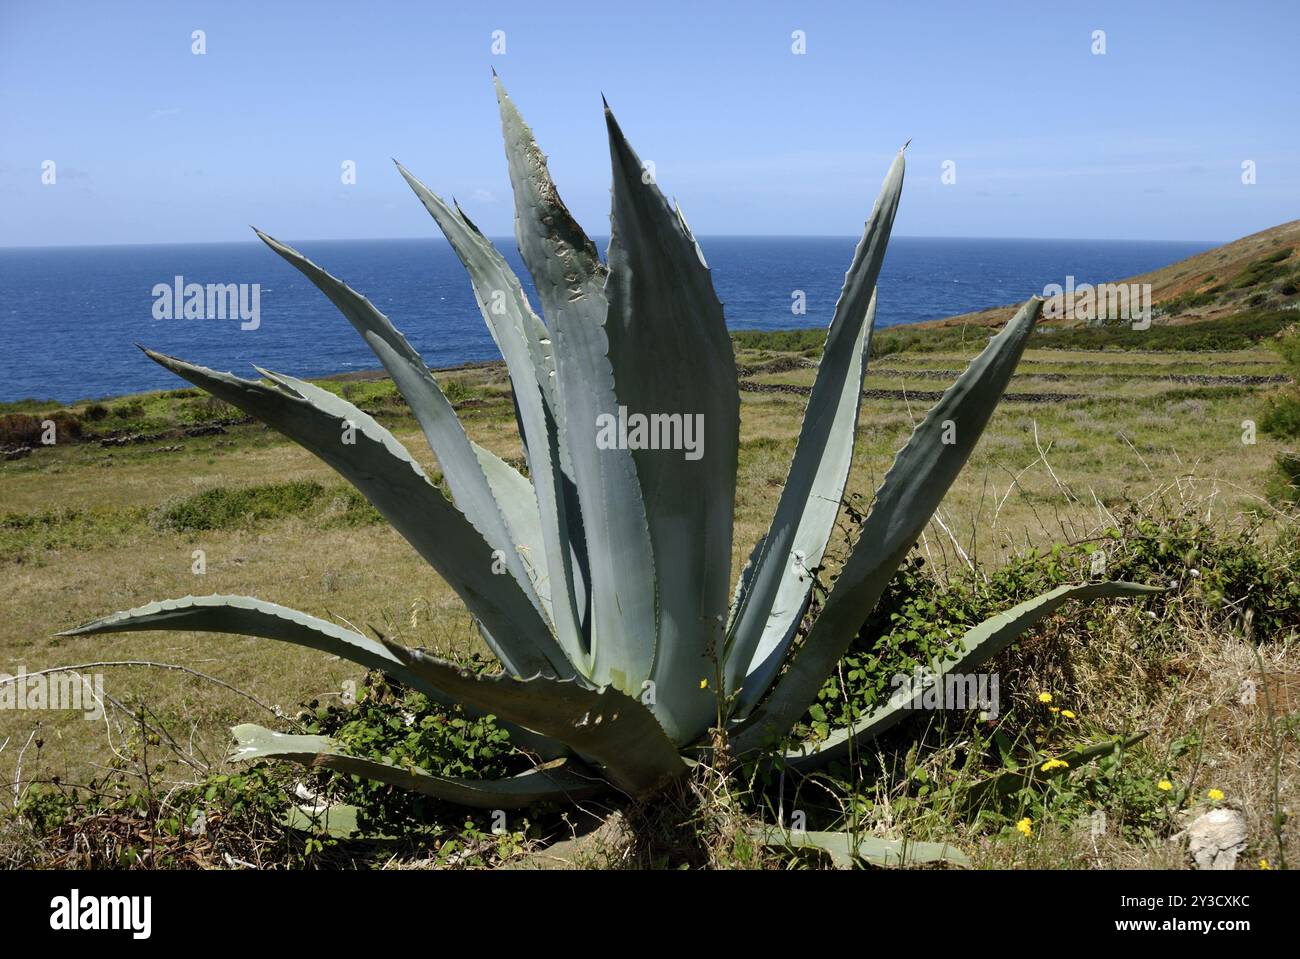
x=602 y=581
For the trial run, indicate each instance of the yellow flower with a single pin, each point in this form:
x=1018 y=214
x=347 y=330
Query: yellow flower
x=1068 y=713
x=1053 y=709
x=1164 y=785
x=1044 y=697
x=1263 y=864
x=1215 y=794
x=1051 y=764
x=704 y=684
x=1026 y=827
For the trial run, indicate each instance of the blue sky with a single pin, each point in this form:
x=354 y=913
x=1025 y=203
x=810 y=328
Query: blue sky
x=155 y=144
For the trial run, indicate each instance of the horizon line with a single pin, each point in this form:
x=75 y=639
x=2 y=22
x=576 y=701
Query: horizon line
x=702 y=236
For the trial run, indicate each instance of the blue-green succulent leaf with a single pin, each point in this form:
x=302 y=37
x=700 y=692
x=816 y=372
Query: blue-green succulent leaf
x=769 y=613
x=246 y=616
x=602 y=725
x=526 y=346
x=978 y=645
x=570 y=280
x=845 y=850
x=372 y=459
x=912 y=489
x=457 y=456
x=561 y=781
x=675 y=372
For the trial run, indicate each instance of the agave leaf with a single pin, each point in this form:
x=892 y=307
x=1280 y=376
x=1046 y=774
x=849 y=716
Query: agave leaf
x=570 y=280
x=511 y=551
x=672 y=357
x=744 y=580
x=519 y=506
x=782 y=579
x=561 y=780
x=526 y=346
x=518 y=332
x=978 y=645
x=563 y=261
x=501 y=478
x=378 y=465
x=1007 y=783
x=535 y=336
x=508 y=494
x=770 y=611
x=844 y=851
x=246 y=616
x=623 y=618
x=339 y=820
x=458 y=458
x=908 y=497
x=602 y=725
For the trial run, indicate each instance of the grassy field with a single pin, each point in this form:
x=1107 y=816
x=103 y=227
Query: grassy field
x=160 y=486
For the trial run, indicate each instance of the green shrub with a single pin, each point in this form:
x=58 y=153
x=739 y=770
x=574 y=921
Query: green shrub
x=122 y=819
x=1264 y=270
x=458 y=392
x=129 y=410
x=1237 y=332
x=1188 y=301
x=391 y=723
x=350 y=509
x=920 y=618
x=23 y=429
x=1285 y=483
x=225 y=508
x=792 y=341
x=1288 y=345
x=1281 y=415
x=207 y=409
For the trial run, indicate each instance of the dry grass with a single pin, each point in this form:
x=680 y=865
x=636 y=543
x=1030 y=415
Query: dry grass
x=1044 y=472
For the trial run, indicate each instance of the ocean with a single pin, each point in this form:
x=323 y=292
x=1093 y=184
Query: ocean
x=69 y=316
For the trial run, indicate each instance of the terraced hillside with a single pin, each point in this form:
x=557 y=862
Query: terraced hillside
x=1256 y=272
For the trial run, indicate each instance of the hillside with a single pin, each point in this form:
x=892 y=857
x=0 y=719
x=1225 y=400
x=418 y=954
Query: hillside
x=1256 y=272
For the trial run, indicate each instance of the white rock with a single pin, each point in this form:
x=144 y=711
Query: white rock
x=1216 y=838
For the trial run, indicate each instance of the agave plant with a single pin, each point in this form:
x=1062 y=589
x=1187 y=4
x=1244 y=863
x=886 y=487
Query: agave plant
x=601 y=581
